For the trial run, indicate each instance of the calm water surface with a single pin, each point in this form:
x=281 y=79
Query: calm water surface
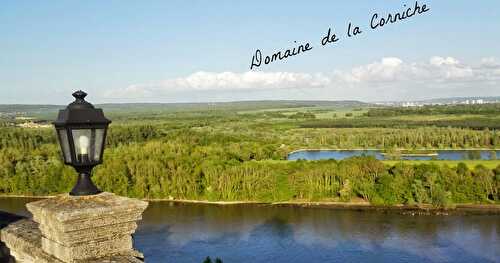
x=251 y=233
x=441 y=155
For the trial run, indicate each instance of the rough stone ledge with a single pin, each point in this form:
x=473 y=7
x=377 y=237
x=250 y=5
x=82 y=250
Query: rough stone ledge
x=24 y=241
x=88 y=249
x=49 y=221
x=87 y=235
x=69 y=208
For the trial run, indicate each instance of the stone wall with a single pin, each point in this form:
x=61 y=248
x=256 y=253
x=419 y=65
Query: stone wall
x=76 y=229
x=5 y=220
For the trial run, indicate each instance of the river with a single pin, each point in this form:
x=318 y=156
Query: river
x=174 y=232
x=438 y=155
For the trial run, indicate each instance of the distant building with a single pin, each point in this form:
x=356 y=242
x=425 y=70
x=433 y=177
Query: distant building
x=34 y=125
x=24 y=118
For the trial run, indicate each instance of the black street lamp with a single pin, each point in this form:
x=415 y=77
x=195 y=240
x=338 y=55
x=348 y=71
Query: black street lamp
x=81 y=130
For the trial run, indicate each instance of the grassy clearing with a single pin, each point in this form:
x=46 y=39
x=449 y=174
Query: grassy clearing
x=321 y=112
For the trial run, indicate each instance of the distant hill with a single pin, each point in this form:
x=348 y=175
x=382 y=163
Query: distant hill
x=49 y=111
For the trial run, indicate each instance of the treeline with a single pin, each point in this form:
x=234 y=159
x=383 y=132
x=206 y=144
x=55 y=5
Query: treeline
x=369 y=179
x=223 y=157
x=479 y=109
x=262 y=141
x=302 y=115
x=387 y=138
x=30 y=139
x=477 y=123
x=25 y=139
x=221 y=171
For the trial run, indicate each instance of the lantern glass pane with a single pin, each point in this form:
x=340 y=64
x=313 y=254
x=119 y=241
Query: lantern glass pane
x=99 y=144
x=82 y=138
x=64 y=141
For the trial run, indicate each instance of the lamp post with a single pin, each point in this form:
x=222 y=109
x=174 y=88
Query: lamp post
x=81 y=130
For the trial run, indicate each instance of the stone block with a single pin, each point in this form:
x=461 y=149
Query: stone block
x=24 y=240
x=69 y=213
x=84 y=235
x=92 y=249
x=79 y=228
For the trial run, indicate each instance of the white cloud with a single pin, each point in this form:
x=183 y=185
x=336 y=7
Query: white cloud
x=202 y=80
x=389 y=78
x=440 y=61
x=490 y=62
x=388 y=69
x=248 y=80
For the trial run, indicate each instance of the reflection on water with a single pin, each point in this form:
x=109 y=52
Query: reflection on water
x=441 y=155
x=251 y=233
x=256 y=233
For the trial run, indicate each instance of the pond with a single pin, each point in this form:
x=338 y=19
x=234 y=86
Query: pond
x=173 y=232
x=435 y=155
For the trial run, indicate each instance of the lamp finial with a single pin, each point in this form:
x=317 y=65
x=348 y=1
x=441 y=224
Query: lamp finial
x=79 y=95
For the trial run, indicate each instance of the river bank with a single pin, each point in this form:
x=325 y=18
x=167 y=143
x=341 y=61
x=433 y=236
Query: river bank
x=396 y=149
x=420 y=209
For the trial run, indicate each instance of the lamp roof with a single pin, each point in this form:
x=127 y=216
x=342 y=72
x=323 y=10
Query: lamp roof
x=80 y=112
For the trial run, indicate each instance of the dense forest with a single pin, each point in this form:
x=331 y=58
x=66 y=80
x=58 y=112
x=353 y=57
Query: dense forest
x=475 y=109
x=227 y=156
x=477 y=117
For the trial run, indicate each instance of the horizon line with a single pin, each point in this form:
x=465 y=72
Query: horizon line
x=268 y=100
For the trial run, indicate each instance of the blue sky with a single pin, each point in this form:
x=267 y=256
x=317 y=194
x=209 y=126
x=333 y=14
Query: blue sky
x=177 y=51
